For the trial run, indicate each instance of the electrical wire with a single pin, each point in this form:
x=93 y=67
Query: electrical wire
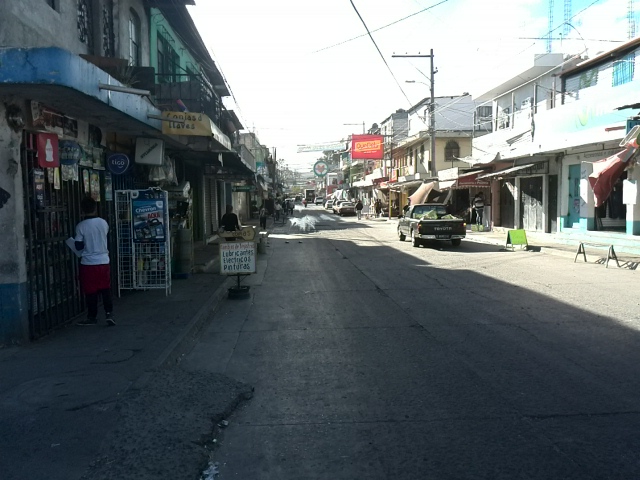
x=379 y=52
x=383 y=27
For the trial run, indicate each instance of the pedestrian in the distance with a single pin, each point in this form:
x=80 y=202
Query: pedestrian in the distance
x=278 y=209
x=478 y=205
x=95 y=271
x=359 y=208
x=378 y=207
x=263 y=217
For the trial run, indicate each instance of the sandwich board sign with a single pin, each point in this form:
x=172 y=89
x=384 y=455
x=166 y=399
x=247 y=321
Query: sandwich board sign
x=517 y=237
x=237 y=258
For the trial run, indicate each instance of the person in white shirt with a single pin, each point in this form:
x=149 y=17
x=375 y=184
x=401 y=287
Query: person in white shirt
x=95 y=271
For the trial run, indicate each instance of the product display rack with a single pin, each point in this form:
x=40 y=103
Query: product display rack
x=144 y=248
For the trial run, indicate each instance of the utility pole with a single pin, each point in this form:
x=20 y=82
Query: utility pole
x=432 y=111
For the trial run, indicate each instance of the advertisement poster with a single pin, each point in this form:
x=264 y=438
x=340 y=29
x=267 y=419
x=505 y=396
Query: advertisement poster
x=108 y=187
x=38 y=186
x=85 y=182
x=367 y=147
x=94 y=183
x=48 y=154
x=148 y=220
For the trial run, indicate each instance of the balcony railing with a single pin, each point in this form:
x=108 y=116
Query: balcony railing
x=194 y=91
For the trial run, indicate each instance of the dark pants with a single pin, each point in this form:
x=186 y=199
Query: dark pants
x=263 y=223
x=479 y=216
x=277 y=215
x=92 y=302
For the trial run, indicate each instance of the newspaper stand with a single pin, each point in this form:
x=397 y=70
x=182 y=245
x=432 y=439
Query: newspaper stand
x=238 y=258
x=144 y=248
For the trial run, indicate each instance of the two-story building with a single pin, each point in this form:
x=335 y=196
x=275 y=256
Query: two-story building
x=508 y=118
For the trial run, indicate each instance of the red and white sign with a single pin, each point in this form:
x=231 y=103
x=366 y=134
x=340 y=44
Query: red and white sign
x=48 y=155
x=369 y=147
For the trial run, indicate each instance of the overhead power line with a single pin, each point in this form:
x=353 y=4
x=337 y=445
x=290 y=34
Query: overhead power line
x=381 y=28
x=379 y=52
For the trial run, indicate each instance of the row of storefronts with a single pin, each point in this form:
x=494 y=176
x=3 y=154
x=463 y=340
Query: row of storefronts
x=58 y=144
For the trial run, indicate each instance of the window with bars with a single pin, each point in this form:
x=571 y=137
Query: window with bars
x=451 y=151
x=85 y=23
x=168 y=61
x=623 y=70
x=134 y=38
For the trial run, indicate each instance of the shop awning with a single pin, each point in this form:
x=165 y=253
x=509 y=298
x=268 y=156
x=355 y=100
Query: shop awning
x=446 y=184
x=606 y=173
x=422 y=193
x=507 y=171
x=72 y=85
x=363 y=183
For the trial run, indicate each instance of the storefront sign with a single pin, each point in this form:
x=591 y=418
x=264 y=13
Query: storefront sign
x=243 y=188
x=118 y=163
x=367 y=147
x=48 y=154
x=149 y=151
x=48 y=119
x=237 y=258
x=193 y=124
x=70 y=152
x=536 y=169
x=469 y=181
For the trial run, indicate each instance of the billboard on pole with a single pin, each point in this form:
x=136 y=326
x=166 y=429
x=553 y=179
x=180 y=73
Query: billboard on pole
x=367 y=147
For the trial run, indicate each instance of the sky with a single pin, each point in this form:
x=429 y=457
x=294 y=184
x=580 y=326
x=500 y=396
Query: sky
x=297 y=78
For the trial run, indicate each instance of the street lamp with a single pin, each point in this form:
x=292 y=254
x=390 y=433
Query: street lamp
x=432 y=115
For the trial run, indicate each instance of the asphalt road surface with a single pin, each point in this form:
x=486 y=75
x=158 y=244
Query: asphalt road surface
x=374 y=359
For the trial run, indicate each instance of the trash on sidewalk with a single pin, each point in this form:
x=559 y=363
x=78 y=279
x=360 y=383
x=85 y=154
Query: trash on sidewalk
x=211 y=472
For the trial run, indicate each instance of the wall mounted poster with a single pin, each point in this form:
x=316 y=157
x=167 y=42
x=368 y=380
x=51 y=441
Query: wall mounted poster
x=108 y=187
x=85 y=182
x=38 y=186
x=148 y=220
x=94 y=184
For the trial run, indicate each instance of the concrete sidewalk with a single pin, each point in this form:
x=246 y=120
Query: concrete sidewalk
x=551 y=244
x=60 y=396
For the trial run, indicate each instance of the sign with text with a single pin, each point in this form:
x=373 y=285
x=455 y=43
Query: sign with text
x=517 y=237
x=237 y=258
x=367 y=147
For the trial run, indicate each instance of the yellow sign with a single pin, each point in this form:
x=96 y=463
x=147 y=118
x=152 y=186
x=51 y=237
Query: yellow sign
x=186 y=123
x=246 y=233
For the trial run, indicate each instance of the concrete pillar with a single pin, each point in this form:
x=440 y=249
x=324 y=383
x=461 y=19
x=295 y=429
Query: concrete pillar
x=587 y=200
x=633 y=211
x=14 y=326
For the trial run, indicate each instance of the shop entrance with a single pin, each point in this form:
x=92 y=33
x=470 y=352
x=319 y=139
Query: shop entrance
x=507 y=203
x=52 y=211
x=573 y=216
x=531 y=203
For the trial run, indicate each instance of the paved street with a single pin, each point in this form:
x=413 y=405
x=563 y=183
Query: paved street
x=371 y=358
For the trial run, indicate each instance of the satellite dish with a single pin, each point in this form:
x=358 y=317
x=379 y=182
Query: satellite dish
x=632 y=138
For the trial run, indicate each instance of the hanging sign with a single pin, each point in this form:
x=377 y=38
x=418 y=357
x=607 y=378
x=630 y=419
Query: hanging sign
x=367 y=147
x=243 y=188
x=118 y=163
x=149 y=151
x=237 y=258
x=70 y=152
x=320 y=168
x=48 y=156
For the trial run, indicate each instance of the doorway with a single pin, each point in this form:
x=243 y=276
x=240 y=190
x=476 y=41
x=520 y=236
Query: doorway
x=531 y=203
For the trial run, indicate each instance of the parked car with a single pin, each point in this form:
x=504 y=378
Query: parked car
x=430 y=221
x=329 y=204
x=336 y=204
x=319 y=201
x=346 y=208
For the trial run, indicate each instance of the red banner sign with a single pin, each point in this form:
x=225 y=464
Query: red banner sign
x=48 y=156
x=367 y=147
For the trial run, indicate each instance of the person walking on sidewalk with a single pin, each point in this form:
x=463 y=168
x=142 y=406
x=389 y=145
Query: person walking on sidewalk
x=95 y=271
x=263 y=217
x=478 y=205
x=278 y=209
x=359 y=208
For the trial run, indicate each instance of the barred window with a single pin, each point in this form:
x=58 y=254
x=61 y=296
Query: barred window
x=451 y=151
x=134 y=38
x=623 y=70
